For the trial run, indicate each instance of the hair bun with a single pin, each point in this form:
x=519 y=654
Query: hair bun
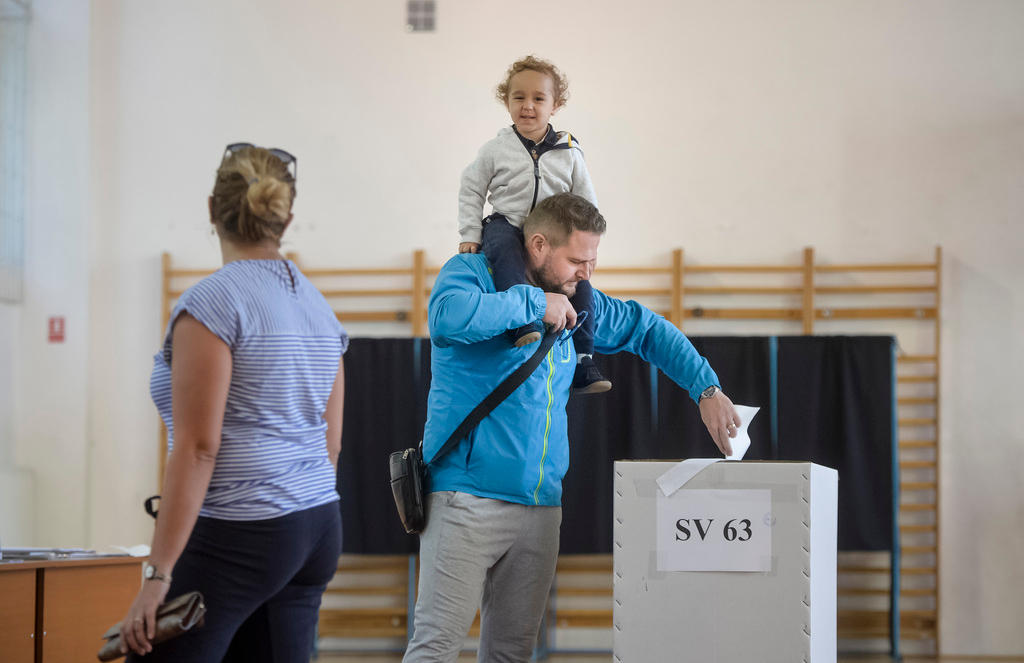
x=269 y=199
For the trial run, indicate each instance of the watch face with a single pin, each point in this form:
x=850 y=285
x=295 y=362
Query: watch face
x=149 y=571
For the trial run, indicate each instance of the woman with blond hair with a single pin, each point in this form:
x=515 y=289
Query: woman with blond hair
x=249 y=382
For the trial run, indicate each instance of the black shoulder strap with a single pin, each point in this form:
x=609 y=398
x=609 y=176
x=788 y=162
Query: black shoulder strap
x=500 y=393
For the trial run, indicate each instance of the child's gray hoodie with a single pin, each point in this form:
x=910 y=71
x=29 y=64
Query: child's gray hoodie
x=519 y=173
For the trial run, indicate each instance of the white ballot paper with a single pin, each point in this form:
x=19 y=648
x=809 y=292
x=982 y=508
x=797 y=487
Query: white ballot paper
x=681 y=472
x=741 y=442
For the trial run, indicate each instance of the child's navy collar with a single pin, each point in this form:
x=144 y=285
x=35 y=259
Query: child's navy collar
x=550 y=139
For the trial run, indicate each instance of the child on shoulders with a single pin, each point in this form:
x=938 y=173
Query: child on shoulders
x=521 y=166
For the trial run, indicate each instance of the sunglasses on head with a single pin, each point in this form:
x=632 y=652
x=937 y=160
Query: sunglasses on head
x=287 y=158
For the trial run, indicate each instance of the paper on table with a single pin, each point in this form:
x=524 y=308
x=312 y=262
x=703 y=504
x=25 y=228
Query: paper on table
x=138 y=550
x=741 y=442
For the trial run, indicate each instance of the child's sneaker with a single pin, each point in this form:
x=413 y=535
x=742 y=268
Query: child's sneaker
x=588 y=379
x=527 y=334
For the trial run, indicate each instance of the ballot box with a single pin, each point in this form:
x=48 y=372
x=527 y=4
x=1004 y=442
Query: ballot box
x=722 y=562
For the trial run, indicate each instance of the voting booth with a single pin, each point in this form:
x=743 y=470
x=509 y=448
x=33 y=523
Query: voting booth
x=724 y=561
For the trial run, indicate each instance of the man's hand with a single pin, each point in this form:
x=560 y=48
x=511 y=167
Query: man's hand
x=719 y=415
x=469 y=247
x=559 y=313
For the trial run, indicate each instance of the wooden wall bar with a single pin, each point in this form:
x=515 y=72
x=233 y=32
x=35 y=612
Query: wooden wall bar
x=804 y=296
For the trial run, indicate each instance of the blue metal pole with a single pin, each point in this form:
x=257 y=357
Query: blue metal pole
x=654 y=397
x=417 y=353
x=410 y=603
x=773 y=393
x=894 y=591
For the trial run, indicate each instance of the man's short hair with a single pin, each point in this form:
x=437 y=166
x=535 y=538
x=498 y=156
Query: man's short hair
x=556 y=217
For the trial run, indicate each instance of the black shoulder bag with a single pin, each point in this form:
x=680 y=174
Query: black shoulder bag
x=408 y=471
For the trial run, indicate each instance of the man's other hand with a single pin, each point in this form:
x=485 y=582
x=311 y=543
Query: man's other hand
x=722 y=421
x=559 y=313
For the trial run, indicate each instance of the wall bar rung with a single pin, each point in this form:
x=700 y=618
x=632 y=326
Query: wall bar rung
x=916 y=358
x=637 y=270
x=871 y=289
x=742 y=290
x=895 y=313
x=358 y=271
x=917 y=444
x=383 y=292
x=742 y=269
x=637 y=292
x=744 y=313
x=916 y=507
x=882 y=267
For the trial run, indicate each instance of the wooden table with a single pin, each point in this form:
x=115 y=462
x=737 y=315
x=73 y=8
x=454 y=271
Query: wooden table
x=55 y=611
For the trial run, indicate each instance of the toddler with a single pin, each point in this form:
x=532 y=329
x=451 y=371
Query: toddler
x=523 y=165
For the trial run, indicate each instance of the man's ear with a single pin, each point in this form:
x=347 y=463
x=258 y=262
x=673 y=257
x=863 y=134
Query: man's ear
x=535 y=244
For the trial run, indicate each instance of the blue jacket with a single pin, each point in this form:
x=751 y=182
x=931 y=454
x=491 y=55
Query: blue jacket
x=520 y=452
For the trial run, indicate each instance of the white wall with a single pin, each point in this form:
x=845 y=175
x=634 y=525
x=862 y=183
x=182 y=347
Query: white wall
x=16 y=486
x=740 y=130
x=45 y=436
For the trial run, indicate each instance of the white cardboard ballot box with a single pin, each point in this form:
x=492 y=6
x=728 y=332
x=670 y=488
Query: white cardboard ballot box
x=737 y=565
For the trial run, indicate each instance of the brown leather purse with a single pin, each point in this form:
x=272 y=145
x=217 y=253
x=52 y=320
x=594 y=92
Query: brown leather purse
x=172 y=619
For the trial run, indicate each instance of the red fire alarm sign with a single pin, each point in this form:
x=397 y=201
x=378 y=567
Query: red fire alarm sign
x=56 y=329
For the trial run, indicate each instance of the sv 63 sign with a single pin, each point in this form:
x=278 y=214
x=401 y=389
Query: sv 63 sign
x=714 y=530
x=732 y=531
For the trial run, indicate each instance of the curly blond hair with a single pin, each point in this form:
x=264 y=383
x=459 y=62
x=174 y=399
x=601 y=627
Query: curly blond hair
x=533 y=63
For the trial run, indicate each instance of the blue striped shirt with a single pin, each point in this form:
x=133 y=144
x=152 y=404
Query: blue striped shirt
x=285 y=345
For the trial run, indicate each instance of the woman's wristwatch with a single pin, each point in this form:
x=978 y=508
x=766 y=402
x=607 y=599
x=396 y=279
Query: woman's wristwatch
x=709 y=392
x=149 y=572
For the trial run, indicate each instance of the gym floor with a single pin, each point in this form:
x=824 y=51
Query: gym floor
x=591 y=658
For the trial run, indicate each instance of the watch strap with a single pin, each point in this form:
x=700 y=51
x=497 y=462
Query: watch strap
x=150 y=572
x=709 y=392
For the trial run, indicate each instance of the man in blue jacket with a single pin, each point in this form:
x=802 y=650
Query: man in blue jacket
x=494 y=502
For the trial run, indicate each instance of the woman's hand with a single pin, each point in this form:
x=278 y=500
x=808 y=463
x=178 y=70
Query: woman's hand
x=469 y=247
x=200 y=380
x=139 y=626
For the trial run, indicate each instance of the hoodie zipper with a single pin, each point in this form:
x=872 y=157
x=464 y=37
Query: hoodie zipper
x=536 y=176
x=547 y=426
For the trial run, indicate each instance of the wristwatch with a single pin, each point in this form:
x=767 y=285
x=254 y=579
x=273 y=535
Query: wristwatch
x=709 y=392
x=149 y=572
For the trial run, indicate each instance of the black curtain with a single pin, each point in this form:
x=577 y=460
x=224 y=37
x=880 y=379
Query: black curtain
x=603 y=427
x=742 y=365
x=383 y=408
x=834 y=408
